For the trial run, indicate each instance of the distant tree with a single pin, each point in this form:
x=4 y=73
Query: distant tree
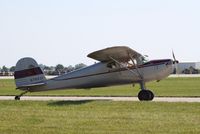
x=78 y=66
x=4 y=69
x=70 y=68
x=42 y=66
x=59 y=68
x=12 y=69
x=50 y=70
x=47 y=68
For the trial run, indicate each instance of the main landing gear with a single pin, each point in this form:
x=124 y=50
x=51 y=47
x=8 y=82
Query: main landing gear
x=17 y=97
x=144 y=94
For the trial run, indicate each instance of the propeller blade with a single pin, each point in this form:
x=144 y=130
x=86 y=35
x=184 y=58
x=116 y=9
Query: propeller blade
x=175 y=62
x=173 y=55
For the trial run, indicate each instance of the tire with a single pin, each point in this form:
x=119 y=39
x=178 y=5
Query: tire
x=145 y=95
x=17 y=98
x=151 y=95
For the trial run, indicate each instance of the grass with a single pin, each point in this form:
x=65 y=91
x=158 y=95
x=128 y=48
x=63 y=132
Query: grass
x=167 y=87
x=102 y=117
x=98 y=117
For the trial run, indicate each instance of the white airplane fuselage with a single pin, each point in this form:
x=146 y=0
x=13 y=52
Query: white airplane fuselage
x=99 y=75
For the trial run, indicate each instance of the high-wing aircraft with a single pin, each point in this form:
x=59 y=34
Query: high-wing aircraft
x=117 y=65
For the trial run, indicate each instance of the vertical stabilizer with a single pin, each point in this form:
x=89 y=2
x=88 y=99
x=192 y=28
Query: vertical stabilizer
x=28 y=73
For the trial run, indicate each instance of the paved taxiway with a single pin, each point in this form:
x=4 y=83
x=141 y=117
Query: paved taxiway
x=61 y=98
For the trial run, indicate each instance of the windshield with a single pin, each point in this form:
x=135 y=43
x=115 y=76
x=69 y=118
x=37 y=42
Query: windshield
x=142 y=60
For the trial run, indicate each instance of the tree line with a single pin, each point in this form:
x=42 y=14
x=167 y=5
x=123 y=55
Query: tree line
x=48 y=70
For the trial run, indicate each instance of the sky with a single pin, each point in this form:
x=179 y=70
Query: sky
x=65 y=31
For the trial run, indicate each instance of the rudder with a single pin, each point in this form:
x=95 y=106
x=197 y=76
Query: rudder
x=27 y=73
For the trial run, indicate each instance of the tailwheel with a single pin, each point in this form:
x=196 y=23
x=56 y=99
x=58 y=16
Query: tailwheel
x=145 y=95
x=17 y=97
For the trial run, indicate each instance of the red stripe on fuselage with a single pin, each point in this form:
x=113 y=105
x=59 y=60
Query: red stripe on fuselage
x=27 y=73
x=148 y=64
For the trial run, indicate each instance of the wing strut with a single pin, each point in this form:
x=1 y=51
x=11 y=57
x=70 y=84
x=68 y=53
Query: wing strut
x=138 y=74
x=141 y=77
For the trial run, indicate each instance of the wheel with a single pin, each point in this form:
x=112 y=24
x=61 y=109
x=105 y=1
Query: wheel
x=145 y=95
x=17 y=97
x=151 y=95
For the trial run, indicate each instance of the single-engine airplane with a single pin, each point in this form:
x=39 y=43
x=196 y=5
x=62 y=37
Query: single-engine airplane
x=117 y=65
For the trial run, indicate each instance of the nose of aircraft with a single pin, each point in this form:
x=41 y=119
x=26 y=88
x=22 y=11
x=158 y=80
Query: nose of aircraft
x=172 y=64
x=175 y=62
x=175 y=66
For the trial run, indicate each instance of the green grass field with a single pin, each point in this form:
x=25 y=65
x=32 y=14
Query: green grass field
x=98 y=117
x=167 y=87
x=103 y=117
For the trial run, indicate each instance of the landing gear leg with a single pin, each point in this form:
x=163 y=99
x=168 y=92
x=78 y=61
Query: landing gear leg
x=18 y=96
x=145 y=94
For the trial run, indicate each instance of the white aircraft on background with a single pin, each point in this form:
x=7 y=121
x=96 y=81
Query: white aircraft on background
x=118 y=65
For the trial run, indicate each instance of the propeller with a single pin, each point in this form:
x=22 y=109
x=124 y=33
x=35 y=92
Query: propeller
x=175 y=62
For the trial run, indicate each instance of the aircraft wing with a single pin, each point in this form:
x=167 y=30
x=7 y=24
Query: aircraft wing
x=120 y=53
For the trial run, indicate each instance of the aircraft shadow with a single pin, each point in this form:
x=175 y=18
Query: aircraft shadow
x=67 y=103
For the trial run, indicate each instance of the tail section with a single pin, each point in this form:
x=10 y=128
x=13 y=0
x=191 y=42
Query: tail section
x=28 y=73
